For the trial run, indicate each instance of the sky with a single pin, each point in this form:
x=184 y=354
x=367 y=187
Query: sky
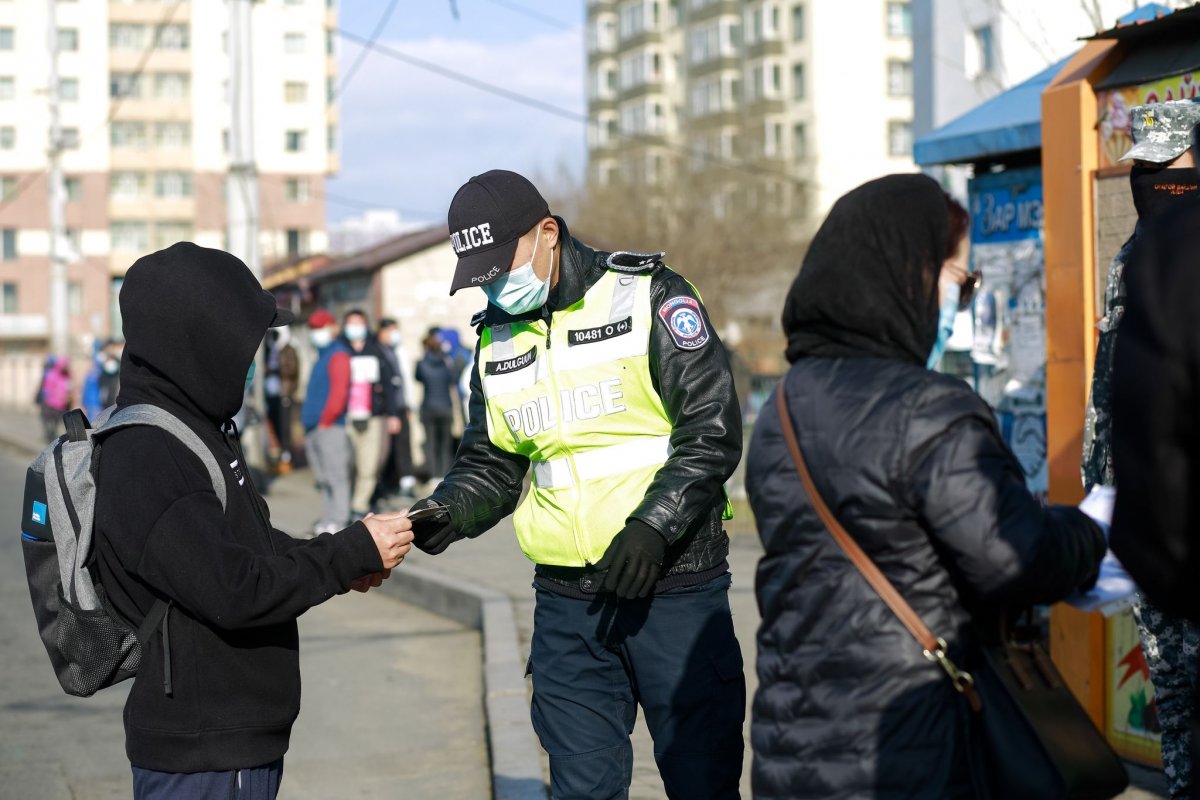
x=410 y=138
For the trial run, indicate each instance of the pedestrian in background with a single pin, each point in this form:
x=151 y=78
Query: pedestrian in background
x=914 y=467
x=396 y=478
x=283 y=379
x=599 y=375
x=1145 y=437
x=436 y=373
x=371 y=412
x=211 y=709
x=54 y=395
x=323 y=416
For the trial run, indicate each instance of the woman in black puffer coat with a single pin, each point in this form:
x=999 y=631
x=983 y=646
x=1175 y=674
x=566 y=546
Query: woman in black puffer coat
x=912 y=464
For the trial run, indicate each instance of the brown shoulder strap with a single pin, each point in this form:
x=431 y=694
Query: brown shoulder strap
x=934 y=647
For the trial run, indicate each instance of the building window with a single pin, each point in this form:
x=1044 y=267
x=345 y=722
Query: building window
x=8 y=137
x=127 y=133
x=294 y=2
x=900 y=138
x=173 y=185
x=8 y=298
x=799 y=142
x=8 y=244
x=74 y=190
x=772 y=139
x=981 y=52
x=6 y=38
x=331 y=138
x=68 y=39
x=295 y=92
x=125 y=84
x=75 y=298
x=293 y=43
x=8 y=87
x=899 y=79
x=297 y=242
x=168 y=233
x=797 y=23
x=172 y=134
x=799 y=85
x=173 y=37
x=127 y=185
x=126 y=36
x=296 y=190
x=172 y=85
x=70 y=138
x=330 y=90
x=899 y=19
x=294 y=141
x=68 y=89
x=329 y=43
x=130 y=237
x=8 y=186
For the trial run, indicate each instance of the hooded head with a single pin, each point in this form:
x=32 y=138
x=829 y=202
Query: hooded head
x=868 y=286
x=193 y=318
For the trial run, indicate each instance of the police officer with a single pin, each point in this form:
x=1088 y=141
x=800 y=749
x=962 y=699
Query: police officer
x=600 y=375
x=1163 y=175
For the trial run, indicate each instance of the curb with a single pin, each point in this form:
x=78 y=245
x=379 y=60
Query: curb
x=516 y=760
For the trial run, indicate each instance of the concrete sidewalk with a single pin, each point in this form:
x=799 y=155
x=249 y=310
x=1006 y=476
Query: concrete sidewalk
x=492 y=566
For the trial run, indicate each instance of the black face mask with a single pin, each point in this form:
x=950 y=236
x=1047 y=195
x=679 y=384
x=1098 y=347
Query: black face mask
x=1158 y=188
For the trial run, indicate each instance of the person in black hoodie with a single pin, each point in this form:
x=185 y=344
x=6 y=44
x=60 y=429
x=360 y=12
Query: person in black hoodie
x=212 y=706
x=912 y=464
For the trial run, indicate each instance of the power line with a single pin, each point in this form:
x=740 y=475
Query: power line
x=362 y=55
x=559 y=111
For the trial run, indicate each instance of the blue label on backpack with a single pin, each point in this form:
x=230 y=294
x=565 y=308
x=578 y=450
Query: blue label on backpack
x=39 y=513
x=27 y=537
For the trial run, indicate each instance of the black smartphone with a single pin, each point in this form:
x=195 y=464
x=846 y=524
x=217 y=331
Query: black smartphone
x=430 y=514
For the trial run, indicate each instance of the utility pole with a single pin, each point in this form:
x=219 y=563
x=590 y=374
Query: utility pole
x=58 y=199
x=241 y=202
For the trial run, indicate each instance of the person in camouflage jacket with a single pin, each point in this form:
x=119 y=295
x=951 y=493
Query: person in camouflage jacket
x=1163 y=173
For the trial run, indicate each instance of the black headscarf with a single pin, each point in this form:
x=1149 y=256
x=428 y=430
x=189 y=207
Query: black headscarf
x=868 y=284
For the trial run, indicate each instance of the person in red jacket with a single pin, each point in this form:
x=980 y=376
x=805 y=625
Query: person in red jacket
x=324 y=419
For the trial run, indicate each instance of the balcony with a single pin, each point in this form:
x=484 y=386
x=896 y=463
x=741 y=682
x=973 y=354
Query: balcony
x=24 y=326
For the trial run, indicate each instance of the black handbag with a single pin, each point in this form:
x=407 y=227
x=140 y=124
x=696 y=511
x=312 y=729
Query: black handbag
x=1033 y=741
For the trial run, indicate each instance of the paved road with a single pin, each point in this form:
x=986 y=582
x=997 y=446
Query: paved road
x=391 y=693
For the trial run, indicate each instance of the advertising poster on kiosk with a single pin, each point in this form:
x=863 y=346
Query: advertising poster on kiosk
x=1009 y=351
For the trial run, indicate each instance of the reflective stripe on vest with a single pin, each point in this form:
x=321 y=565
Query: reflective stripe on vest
x=577 y=399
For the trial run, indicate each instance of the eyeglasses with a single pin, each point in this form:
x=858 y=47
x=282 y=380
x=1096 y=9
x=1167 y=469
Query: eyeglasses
x=968 y=288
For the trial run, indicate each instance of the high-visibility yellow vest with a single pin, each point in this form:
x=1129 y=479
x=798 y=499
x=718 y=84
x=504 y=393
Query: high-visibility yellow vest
x=576 y=398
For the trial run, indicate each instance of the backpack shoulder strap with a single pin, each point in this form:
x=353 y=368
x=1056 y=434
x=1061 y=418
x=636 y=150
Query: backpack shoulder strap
x=144 y=414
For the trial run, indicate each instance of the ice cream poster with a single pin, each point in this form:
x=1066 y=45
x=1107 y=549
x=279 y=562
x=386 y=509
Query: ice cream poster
x=1115 y=106
x=1132 y=718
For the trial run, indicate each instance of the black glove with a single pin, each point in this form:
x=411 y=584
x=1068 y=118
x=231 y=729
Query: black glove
x=633 y=560
x=432 y=534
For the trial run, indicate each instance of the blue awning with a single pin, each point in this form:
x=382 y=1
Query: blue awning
x=1008 y=123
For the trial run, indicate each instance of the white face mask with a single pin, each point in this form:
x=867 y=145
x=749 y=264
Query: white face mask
x=520 y=290
x=321 y=338
x=356 y=332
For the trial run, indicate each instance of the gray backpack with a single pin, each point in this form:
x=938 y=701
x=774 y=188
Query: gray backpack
x=91 y=646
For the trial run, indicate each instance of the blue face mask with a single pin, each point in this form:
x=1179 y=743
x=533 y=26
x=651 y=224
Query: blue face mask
x=946 y=315
x=520 y=290
x=250 y=375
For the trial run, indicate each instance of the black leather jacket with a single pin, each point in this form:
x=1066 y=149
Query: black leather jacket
x=685 y=500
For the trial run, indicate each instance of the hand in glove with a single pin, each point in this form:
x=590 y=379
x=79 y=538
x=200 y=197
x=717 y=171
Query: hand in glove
x=433 y=530
x=633 y=561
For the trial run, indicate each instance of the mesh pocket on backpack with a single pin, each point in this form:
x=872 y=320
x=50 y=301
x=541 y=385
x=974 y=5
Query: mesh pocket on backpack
x=97 y=649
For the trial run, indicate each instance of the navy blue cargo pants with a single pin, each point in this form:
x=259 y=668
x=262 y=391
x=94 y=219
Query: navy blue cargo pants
x=674 y=654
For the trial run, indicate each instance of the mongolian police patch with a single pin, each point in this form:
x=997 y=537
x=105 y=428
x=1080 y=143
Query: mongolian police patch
x=683 y=318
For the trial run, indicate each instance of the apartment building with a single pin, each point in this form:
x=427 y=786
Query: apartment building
x=817 y=92
x=145 y=114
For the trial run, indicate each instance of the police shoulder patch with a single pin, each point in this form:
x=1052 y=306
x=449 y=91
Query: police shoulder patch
x=479 y=318
x=685 y=322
